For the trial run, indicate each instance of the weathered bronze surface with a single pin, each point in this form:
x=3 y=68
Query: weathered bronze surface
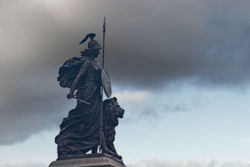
x=91 y=124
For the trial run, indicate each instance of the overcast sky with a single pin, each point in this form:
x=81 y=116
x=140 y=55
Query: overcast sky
x=163 y=56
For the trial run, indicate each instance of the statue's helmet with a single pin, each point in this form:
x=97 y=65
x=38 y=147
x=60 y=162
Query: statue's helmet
x=93 y=44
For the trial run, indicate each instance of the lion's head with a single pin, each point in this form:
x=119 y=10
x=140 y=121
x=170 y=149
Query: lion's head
x=112 y=111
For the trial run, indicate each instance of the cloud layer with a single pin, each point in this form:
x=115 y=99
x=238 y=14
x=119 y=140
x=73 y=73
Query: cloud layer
x=149 y=45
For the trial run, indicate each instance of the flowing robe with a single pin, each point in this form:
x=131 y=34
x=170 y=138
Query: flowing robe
x=80 y=131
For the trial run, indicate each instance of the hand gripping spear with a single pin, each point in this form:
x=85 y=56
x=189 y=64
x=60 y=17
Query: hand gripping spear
x=101 y=114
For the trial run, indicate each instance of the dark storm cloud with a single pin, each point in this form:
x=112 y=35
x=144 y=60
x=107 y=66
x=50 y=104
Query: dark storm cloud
x=149 y=44
x=28 y=108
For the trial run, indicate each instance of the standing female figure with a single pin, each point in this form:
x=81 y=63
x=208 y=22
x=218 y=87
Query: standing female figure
x=80 y=131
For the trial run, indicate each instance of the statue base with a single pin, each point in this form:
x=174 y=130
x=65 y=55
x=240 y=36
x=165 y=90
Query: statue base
x=89 y=160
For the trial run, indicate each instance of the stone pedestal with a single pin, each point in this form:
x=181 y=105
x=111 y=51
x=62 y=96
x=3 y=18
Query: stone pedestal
x=88 y=161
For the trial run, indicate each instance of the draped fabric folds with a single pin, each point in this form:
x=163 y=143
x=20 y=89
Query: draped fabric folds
x=80 y=131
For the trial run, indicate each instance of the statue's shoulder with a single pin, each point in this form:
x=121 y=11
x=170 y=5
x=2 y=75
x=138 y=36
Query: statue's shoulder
x=69 y=70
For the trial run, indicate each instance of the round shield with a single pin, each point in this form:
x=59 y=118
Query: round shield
x=106 y=83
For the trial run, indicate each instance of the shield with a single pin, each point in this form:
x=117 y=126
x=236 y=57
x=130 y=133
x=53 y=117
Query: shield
x=106 y=83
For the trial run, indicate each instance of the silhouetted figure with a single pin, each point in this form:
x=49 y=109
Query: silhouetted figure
x=80 y=131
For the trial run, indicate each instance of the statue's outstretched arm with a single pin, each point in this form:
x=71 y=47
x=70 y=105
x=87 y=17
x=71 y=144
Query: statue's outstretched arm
x=81 y=71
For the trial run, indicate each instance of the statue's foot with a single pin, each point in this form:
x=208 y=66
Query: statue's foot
x=105 y=150
x=111 y=153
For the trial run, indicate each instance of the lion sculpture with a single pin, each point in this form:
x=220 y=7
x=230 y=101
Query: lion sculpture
x=111 y=112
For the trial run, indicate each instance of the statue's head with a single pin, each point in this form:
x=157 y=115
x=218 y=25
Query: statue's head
x=93 y=46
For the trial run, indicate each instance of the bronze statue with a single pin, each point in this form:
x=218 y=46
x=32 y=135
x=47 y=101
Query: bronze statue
x=91 y=124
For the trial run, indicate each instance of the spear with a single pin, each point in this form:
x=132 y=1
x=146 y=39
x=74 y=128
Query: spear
x=101 y=114
x=103 y=41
